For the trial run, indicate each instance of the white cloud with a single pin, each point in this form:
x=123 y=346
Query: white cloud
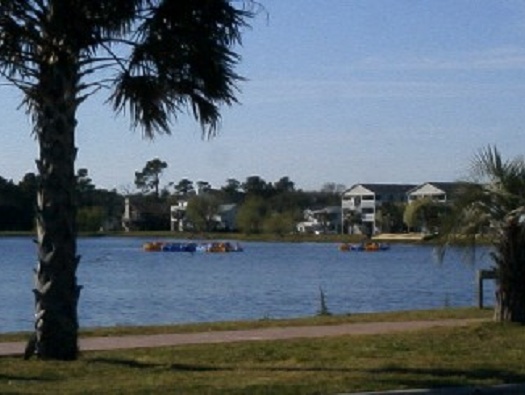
x=497 y=59
x=275 y=91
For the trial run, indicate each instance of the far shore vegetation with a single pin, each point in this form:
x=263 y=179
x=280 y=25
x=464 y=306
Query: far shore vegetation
x=207 y=236
x=407 y=238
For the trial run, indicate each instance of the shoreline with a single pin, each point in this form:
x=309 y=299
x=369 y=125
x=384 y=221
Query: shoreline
x=412 y=238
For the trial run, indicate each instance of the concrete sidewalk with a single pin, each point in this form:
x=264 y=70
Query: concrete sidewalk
x=276 y=333
x=505 y=389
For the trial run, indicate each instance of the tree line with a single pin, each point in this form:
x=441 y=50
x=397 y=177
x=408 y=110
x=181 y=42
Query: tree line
x=263 y=206
x=96 y=206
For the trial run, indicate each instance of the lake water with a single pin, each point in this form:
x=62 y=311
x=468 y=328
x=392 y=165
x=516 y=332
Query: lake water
x=125 y=286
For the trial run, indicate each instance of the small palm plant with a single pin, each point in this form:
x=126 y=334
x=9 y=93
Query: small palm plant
x=494 y=207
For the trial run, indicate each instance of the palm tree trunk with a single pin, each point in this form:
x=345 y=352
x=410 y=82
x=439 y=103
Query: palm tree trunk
x=56 y=290
x=510 y=268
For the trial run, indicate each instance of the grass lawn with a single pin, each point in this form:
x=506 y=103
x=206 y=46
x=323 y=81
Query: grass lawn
x=480 y=354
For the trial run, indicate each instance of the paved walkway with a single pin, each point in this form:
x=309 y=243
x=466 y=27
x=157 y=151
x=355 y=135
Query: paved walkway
x=276 y=333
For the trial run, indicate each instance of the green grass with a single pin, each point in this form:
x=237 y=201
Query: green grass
x=480 y=354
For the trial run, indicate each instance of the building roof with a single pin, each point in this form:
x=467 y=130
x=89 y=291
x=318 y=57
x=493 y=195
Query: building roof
x=449 y=188
x=327 y=210
x=227 y=207
x=384 y=189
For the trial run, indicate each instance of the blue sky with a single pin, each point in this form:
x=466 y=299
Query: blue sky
x=343 y=91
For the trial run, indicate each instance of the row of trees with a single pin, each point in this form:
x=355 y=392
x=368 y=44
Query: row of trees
x=264 y=206
x=255 y=214
x=273 y=207
x=96 y=207
x=148 y=181
x=17 y=203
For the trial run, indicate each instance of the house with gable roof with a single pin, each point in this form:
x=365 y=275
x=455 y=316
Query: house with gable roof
x=439 y=195
x=441 y=192
x=361 y=202
x=224 y=219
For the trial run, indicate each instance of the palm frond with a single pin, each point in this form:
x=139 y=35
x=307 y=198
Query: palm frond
x=159 y=57
x=187 y=47
x=19 y=39
x=149 y=103
x=487 y=163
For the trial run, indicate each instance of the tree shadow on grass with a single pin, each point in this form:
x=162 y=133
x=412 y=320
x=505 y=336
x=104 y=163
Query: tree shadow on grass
x=396 y=376
x=312 y=369
x=131 y=363
x=19 y=378
x=438 y=377
x=199 y=368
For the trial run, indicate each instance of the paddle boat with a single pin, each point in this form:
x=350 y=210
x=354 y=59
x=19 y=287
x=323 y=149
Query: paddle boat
x=223 y=247
x=152 y=246
x=366 y=246
x=215 y=246
x=179 y=247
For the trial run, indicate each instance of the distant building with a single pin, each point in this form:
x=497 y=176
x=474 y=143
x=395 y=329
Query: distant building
x=130 y=217
x=437 y=191
x=178 y=222
x=361 y=202
x=224 y=220
x=144 y=213
x=226 y=217
x=325 y=220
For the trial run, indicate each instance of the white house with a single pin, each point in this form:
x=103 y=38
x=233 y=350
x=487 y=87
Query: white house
x=178 y=216
x=363 y=200
x=437 y=191
x=326 y=220
x=224 y=219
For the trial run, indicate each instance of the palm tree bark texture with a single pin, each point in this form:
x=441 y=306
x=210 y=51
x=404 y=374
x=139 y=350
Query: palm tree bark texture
x=509 y=257
x=56 y=292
